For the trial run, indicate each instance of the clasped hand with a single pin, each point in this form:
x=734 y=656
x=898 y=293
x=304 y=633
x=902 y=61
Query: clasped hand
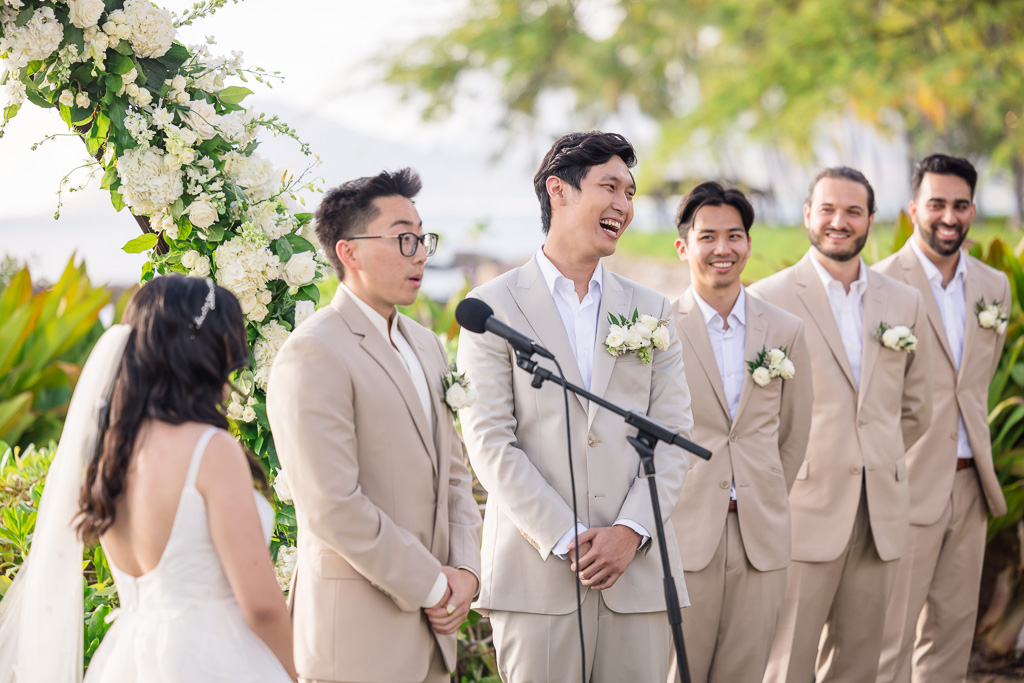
x=604 y=554
x=461 y=589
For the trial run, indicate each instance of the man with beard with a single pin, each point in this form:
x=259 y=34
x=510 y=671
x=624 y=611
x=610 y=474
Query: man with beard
x=953 y=485
x=872 y=390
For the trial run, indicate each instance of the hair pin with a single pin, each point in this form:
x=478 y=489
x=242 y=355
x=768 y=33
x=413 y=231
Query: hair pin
x=208 y=305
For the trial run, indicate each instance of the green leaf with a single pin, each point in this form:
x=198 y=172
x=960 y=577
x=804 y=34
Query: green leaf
x=113 y=83
x=177 y=208
x=299 y=243
x=37 y=99
x=308 y=293
x=124 y=48
x=261 y=415
x=303 y=218
x=119 y=64
x=109 y=178
x=116 y=200
x=175 y=57
x=284 y=249
x=24 y=16
x=233 y=94
x=112 y=5
x=140 y=244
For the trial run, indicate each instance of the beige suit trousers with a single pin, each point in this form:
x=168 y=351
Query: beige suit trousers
x=836 y=611
x=930 y=624
x=538 y=648
x=436 y=673
x=733 y=612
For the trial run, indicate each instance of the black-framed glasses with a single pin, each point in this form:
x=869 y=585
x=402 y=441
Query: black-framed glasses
x=407 y=242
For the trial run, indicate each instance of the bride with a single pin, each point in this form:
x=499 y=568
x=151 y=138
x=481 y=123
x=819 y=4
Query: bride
x=146 y=467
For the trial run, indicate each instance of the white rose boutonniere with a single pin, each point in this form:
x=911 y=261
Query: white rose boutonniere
x=639 y=335
x=897 y=337
x=282 y=488
x=769 y=364
x=458 y=394
x=990 y=317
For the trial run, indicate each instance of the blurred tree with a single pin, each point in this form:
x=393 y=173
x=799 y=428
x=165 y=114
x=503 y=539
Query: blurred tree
x=706 y=70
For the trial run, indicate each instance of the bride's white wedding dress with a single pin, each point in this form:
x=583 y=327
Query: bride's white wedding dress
x=180 y=622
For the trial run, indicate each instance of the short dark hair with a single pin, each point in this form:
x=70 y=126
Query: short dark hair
x=943 y=164
x=570 y=159
x=844 y=173
x=346 y=210
x=712 y=194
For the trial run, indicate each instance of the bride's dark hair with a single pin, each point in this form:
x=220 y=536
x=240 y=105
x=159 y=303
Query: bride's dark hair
x=173 y=370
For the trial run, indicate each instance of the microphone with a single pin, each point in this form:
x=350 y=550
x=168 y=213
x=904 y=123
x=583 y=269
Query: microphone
x=476 y=316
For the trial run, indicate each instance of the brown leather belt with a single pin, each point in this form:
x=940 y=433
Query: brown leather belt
x=964 y=463
x=732 y=505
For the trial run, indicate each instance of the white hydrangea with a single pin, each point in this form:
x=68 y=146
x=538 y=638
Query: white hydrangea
x=150 y=31
x=16 y=93
x=148 y=185
x=284 y=568
x=244 y=268
x=237 y=127
x=272 y=218
x=138 y=127
x=272 y=337
x=254 y=173
x=37 y=39
x=303 y=309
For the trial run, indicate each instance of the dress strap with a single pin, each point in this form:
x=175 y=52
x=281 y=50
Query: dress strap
x=197 y=457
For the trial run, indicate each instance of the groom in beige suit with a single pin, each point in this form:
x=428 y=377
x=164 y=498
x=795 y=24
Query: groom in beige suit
x=850 y=503
x=516 y=436
x=732 y=521
x=953 y=485
x=388 y=554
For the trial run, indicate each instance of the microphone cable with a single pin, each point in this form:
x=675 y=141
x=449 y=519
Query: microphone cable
x=575 y=526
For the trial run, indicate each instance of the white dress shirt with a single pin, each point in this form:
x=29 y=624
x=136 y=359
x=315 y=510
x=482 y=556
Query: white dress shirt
x=848 y=310
x=952 y=301
x=729 y=345
x=579 y=318
x=397 y=341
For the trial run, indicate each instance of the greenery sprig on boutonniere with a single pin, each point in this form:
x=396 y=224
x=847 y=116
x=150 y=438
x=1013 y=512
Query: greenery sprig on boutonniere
x=990 y=317
x=457 y=392
x=896 y=337
x=640 y=334
x=770 y=363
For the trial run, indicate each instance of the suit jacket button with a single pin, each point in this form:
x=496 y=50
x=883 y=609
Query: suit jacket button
x=855 y=469
x=724 y=484
x=861 y=423
x=953 y=435
x=733 y=437
x=591 y=442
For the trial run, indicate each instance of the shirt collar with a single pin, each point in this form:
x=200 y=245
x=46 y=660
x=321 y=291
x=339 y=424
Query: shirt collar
x=376 y=319
x=856 y=287
x=737 y=315
x=552 y=275
x=931 y=271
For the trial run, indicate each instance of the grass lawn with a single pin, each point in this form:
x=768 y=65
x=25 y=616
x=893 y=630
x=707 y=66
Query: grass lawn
x=774 y=248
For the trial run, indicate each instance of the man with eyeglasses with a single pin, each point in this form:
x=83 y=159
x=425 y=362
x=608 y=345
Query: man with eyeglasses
x=389 y=549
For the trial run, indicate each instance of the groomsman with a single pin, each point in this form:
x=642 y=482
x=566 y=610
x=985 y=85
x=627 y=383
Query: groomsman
x=953 y=486
x=388 y=554
x=732 y=521
x=850 y=502
x=516 y=437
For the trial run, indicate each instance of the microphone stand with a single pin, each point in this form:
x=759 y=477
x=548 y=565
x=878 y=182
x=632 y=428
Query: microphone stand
x=650 y=432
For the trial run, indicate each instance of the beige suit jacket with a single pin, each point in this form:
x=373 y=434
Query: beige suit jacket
x=516 y=437
x=382 y=499
x=930 y=460
x=855 y=434
x=761 y=450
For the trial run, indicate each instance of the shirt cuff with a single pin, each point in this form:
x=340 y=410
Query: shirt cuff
x=437 y=592
x=561 y=548
x=478 y=582
x=644 y=536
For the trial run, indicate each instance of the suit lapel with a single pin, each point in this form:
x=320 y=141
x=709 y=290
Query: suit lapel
x=430 y=374
x=696 y=333
x=972 y=293
x=614 y=299
x=915 y=276
x=815 y=300
x=756 y=334
x=874 y=309
x=532 y=296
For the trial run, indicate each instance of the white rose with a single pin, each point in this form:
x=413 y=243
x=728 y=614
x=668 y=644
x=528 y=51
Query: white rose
x=67 y=98
x=988 y=318
x=1001 y=327
x=634 y=340
x=109 y=28
x=248 y=414
x=300 y=269
x=189 y=258
x=890 y=338
x=178 y=82
x=303 y=309
x=182 y=98
x=902 y=330
x=645 y=332
x=775 y=356
x=85 y=13
x=281 y=487
x=910 y=343
x=116 y=17
x=144 y=97
x=132 y=90
x=202 y=268
x=616 y=337
x=235 y=411
x=787 y=369
x=458 y=397
x=202 y=213
x=650 y=322
x=660 y=338
x=264 y=296
x=203 y=118
x=82 y=100
x=762 y=376
x=130 y=77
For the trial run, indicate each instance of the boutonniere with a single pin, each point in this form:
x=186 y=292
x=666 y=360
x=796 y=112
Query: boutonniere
x=457 y=392
x=990 y=317
x=897 y=338
x=770 y=363
x=640 y=335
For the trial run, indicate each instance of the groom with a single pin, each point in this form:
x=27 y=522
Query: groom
x=388 y=554
x=516 y=437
